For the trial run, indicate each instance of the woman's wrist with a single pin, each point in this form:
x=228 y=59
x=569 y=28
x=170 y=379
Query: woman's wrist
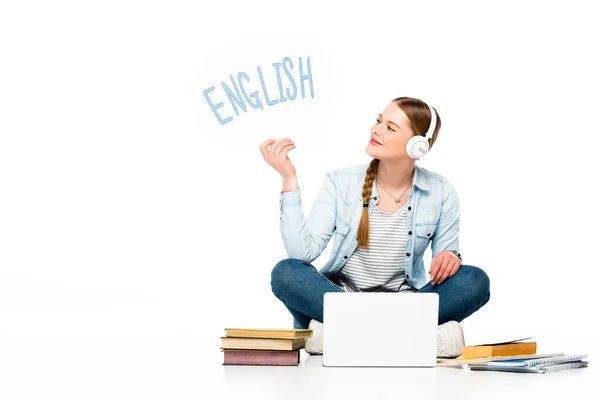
x=290 y=184
x=456 y=253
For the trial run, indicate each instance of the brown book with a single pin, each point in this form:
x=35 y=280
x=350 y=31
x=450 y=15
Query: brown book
x=495 y=350
x=261 y=357
x=262 y=343
x=268 y=333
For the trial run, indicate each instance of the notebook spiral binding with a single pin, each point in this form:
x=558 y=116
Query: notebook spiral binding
x=556 y=360
x=562 y=367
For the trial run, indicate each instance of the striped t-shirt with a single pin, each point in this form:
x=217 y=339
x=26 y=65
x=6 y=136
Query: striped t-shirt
x=383 y=263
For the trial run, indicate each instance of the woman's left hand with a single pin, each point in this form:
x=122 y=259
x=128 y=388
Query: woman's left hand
x=444 y=265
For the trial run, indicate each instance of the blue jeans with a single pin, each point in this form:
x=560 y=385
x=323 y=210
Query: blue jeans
x=301 y=288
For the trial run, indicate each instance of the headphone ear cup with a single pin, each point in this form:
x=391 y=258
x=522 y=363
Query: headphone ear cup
x=417 y=146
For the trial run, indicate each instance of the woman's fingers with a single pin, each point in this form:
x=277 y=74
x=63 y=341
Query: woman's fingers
x=446 y=273
x=285 y=148
x=434 y=268
x=455 y=268
x=440 y=271
x=264 y=147
x=273 y=148
x=276 y=147
x=275 y=154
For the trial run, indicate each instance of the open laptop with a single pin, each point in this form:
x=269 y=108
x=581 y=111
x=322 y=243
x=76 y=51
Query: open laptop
x=380 y=329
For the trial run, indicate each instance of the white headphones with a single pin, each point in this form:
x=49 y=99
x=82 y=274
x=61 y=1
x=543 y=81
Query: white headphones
x=417 y=146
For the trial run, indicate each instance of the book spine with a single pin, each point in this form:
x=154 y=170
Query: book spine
x=261 y=358
x=262 y=344
x=472 y=352
x=236 y=335
x=515 y=349
x=499 y=351
x=266 y=334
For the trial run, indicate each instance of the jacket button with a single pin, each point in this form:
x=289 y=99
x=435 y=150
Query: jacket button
x=410 y=232
x=428 y=234
x=375 y=198
x=345 y=256
x=407 y=254
x=409 y=208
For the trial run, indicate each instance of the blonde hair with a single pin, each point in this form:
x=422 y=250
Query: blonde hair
x=419 y=118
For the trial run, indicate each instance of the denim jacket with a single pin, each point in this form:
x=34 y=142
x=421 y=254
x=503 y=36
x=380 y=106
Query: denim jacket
x=433 y=215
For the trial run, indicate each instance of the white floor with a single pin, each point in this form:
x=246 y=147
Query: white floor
x=310 y=380
x=188 y=367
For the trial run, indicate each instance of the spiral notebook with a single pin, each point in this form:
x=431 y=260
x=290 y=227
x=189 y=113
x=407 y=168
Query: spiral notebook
x=485 y=360
x=536 y=366
x=538 y=369
x=530 y=362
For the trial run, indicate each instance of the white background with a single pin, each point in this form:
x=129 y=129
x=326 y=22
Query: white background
x=134 y=227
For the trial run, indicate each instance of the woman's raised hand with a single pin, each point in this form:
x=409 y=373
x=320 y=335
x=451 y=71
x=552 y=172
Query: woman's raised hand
x=275 y=154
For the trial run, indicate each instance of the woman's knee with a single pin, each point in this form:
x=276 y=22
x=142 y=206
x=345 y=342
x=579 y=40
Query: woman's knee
x=283 y=274
x=476 y=280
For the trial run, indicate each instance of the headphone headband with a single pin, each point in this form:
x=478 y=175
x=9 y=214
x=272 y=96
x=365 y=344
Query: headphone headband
x=432 y=124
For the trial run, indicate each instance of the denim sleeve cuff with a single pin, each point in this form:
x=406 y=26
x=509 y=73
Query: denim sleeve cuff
x=289 y=199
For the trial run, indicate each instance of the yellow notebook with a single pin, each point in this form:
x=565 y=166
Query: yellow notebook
x=268 y=333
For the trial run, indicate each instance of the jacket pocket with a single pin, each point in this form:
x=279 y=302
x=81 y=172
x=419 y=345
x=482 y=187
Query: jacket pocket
x=423 y=234
x=425 y=231
x=341 y=226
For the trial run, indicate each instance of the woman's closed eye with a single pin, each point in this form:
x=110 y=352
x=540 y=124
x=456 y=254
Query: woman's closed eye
x=378 y=121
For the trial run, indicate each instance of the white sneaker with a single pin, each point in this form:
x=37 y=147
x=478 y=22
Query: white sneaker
x=450 y=339
x=314 y=344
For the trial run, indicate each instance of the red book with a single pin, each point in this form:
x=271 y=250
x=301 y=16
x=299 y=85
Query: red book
x=261 y=357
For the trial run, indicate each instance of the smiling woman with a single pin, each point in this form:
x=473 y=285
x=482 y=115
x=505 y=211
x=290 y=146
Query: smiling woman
x=382 y=217
x=253 y=99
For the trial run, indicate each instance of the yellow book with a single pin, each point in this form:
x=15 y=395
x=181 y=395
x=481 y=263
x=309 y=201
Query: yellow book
x=500 y=349
x=268 y=333
x=243 y=343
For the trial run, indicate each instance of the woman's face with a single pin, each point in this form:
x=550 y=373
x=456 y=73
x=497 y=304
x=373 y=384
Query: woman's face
x=391 y=130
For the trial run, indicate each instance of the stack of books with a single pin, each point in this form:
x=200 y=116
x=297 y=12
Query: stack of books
x=260 y=346
x=514 y=356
